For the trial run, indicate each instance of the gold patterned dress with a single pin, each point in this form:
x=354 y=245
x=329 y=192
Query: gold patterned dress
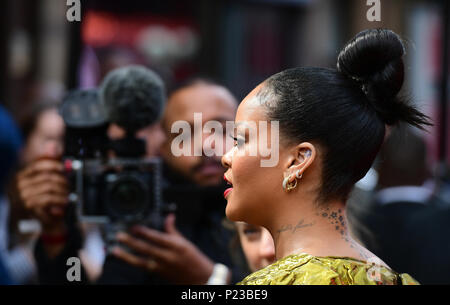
x=305 y=269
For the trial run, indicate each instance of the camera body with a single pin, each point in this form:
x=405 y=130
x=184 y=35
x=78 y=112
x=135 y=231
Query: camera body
x=117 y=190
x=111 y=182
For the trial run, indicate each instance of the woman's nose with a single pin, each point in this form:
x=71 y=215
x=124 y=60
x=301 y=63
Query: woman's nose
x=227 y=159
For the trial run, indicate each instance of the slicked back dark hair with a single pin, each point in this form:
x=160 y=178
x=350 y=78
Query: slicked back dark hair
x=346 y=110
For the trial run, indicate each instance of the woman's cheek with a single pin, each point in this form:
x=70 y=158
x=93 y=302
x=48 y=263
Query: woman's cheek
x=245 y=170
x=246 y=178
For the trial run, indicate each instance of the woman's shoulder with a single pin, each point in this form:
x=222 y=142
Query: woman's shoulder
x=305 y=269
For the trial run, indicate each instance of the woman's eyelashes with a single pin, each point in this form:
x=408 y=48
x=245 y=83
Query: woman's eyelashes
x=238 y=141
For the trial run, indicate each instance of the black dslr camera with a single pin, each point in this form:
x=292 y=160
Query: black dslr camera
x=112 y=183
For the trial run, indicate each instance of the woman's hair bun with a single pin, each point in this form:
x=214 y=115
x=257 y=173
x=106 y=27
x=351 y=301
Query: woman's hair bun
x=374 y=59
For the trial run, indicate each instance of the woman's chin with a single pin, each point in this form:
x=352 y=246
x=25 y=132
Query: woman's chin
x=231 y=212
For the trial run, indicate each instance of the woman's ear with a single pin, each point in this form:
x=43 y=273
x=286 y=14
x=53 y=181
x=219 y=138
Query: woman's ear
x=303 y=155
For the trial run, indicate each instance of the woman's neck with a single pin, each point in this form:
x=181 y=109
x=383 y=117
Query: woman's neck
x=319 y=231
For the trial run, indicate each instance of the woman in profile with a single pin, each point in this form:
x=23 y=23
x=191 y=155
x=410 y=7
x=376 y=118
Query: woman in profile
x=332 y=124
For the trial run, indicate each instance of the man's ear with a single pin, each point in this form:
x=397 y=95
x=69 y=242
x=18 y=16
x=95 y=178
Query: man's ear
x=302 y=156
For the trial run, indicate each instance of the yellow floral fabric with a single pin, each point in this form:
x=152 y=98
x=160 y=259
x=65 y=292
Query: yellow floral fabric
x=305 y=269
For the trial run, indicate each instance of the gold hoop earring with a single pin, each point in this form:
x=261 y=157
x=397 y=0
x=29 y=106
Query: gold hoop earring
x=288 y=186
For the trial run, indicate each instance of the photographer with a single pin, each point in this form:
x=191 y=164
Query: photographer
x=198 y=182
x=186 y=253
x=43 y=132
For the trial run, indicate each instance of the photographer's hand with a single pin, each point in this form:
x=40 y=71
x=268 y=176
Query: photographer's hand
x=169 y=254
x=43 y=189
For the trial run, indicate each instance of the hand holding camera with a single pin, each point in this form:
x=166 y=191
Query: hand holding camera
x=43 y=188
x=166 y=253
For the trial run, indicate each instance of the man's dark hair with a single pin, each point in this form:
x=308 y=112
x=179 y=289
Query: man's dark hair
x=195 y=81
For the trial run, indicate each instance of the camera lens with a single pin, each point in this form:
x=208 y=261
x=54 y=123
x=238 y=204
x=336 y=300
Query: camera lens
x=128 y=197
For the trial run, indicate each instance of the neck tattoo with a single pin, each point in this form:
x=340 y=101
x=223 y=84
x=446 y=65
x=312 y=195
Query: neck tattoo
x=337 y=220
x=293 y=228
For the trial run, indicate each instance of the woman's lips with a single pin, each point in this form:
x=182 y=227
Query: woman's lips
x=227 y=191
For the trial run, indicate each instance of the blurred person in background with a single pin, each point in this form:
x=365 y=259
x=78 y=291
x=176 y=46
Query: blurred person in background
x=405 y=222
x=10 y=144
x=43 y=132
x=197 y=187
x=257 y=245
x=214 y=103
